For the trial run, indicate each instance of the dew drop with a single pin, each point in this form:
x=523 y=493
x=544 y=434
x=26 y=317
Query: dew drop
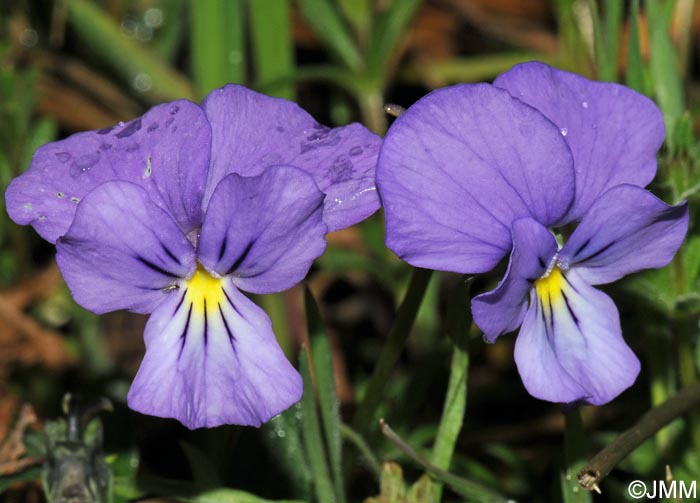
x=564 y=131
x=584 y=104
x=121 y=123
x=74 y=200
x=84 y=163
x=281 y=433
x=174 y=109
x=42 y=217
x=59 y=195
x=149 y=170
x=27 y=206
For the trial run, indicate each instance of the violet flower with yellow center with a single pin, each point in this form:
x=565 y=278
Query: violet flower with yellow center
x=471 y=173
x=177 y=213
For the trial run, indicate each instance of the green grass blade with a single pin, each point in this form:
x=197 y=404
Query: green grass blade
x=458 y=321
x=635 y=66
x=386 y=35
x=217 y=38
x=325 y=20
x=613 y=10
x=125 y=56
x=313 y=441
x=400 y=330
x=664 y=67
x=273 y=47
x=325 y=384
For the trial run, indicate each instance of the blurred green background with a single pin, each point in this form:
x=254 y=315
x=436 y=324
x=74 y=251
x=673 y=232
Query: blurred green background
x=73 y=65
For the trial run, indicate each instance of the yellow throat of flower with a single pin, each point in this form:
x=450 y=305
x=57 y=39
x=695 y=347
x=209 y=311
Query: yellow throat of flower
x=549 y=287
x=203 y=290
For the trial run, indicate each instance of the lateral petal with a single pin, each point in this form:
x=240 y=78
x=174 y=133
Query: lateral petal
x=265 y=231
x=253 y=132
x=570 y=347
x=613 y=131
x=166 y=151
x=212 y=359
x=502 y=310
x=626 y=230
x=122 y=251
x=459 y=166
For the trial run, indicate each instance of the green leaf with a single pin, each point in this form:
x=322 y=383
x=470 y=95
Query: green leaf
x=284 y=443
x=313 y=441
x=217 y=43
x=325 y=385
x=231 y=496
x=422 y=491
x=392 y=487
x=125 y=56
x=273 y=46
x=325 y=20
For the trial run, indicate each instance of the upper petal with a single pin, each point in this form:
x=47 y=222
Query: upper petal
x=570 y=346
x=626 y=230
x=459 y=166
x=166 y=151
x=122 y=251
x=613 y=131
x=253 y=132
x=502 y=310
x=212 y=359
x=264 y=230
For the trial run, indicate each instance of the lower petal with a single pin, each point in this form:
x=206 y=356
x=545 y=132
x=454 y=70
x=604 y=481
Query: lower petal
x=570 y=347
x=212 y=359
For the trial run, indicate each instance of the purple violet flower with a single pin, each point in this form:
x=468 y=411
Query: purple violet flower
x=179 y=211
x=472 y=172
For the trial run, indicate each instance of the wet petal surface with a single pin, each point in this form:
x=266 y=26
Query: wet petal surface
x=166 y=151
x=253 y=132
x=216 y=351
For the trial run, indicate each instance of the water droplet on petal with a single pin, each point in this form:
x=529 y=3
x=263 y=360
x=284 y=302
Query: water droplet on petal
x=84 y=163
x=584 y=104
x=121 y=123
x=63 y=156
x=564 y=131
x=59 y=194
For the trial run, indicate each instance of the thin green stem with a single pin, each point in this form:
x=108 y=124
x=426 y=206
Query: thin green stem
x=458 y=321
x=575 y=456
x=359 y=442
x=405 y=316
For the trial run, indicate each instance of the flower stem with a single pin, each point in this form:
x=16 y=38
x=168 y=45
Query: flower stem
x=601 y=464
x=405 y=316
x=458 y=321
x=470 y=491
x=575 y=457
